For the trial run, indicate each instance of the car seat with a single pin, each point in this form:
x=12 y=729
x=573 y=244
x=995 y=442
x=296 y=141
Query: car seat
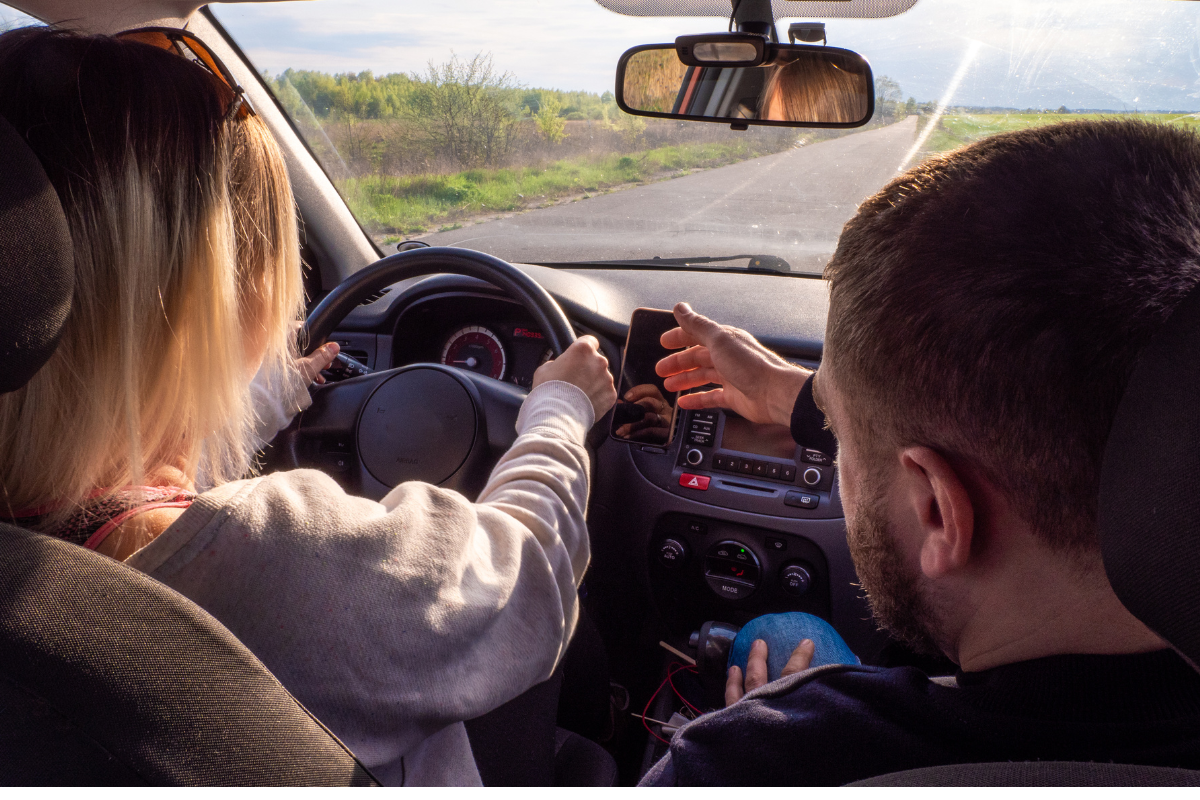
x=1149 y=521
x=106 y=676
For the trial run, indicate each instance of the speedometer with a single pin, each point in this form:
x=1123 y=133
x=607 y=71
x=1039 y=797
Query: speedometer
x=477 y=349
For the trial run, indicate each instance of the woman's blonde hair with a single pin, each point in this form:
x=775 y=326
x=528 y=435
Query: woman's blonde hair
x=187 y=267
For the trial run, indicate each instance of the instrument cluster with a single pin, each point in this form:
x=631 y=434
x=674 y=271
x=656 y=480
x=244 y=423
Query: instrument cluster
x=486 y=335
x=504 y=351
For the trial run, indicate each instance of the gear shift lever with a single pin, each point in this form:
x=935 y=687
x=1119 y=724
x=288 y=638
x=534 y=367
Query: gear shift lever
x=712 y=644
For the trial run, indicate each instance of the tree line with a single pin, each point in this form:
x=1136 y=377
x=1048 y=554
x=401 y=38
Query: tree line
x=464 y=110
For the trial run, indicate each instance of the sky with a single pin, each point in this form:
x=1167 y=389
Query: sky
x=1103 y=54
x=1110 y=54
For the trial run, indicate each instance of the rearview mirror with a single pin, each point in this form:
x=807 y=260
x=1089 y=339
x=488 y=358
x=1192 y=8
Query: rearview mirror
x=745 y=80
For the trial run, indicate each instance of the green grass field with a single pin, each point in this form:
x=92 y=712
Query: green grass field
x=417 y=203
x=394 y=206
x=955 y=130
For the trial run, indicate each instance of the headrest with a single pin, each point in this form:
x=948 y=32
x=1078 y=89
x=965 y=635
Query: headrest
x=37 y=265
x=1149 y=513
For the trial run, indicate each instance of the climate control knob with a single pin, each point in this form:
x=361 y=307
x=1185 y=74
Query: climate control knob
x=671 y=553
x=795 y=579
x=731 y=569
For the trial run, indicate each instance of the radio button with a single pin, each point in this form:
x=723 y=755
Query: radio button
x=788 y=473
x=702 y=439
x=812 y=476
x=760 y=469
x=774 y=471
x=746 y=467
x=816 y=457
x=694 y=457
x=704 y=416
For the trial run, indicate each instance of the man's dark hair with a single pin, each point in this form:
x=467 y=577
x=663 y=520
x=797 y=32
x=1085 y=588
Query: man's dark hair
x=992 y=303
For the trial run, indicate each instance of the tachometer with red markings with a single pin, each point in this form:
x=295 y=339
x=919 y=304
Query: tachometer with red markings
x=478 y=349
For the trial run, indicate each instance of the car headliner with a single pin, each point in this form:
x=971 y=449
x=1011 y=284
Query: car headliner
x=110 y=16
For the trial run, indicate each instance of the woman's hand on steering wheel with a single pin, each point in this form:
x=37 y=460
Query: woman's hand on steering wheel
x=583 y=365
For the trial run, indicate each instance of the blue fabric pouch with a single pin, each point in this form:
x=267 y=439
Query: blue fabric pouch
x=782 y=632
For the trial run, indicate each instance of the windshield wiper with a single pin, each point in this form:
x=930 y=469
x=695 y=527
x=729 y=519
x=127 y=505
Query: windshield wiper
x=771 y=265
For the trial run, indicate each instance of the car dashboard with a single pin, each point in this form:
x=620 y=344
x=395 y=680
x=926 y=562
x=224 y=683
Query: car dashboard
x=764 y=534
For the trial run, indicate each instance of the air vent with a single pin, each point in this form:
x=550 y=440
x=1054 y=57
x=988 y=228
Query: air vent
x=373 y=297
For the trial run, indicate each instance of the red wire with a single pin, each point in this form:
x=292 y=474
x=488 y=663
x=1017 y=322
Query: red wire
x=670 y=674
x=679 y=694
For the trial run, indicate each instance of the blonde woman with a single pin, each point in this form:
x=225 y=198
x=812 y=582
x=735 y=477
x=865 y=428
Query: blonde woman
x=392 y=621
x=811 y=88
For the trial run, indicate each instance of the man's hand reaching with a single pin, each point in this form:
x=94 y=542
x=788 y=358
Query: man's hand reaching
x=756 y=669
x=754 y=382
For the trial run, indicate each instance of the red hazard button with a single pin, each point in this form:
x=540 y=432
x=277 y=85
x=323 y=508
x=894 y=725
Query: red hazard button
x=690 y=481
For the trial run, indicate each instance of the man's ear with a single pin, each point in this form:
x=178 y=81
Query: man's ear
x=942 y=510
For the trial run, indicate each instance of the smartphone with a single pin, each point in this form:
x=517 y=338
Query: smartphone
x=648 y=416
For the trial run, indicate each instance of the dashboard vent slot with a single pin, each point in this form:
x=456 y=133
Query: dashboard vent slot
x=375 y=296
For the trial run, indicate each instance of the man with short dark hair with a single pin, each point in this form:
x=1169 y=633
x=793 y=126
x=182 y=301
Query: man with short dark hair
x=986 y=311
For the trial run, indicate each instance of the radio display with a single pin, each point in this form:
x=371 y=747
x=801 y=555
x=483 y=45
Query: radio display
x=763 y=439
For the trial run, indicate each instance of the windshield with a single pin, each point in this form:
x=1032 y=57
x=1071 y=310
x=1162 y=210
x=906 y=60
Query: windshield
x=492 y=125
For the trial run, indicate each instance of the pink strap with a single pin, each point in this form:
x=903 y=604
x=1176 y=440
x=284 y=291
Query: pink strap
x=102 y=533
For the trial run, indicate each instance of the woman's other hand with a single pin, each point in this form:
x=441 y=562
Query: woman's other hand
x=755 y=382
x=583 y=365
x=310 y=366
x=756 y=669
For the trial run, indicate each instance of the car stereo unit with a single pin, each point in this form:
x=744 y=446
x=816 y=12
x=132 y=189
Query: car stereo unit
x=753 y=457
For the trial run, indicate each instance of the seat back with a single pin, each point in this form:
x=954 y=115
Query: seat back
x=1149 y=512
x=109 y=677
x=1037 y=773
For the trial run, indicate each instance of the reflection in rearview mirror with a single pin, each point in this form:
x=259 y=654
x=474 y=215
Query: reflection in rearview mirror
x=652 y=81
x=797 y=85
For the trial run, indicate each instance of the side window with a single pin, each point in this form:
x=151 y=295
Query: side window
x=11 y=18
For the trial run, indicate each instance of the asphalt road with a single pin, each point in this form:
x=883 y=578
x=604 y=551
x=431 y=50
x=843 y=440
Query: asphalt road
x=791 y=205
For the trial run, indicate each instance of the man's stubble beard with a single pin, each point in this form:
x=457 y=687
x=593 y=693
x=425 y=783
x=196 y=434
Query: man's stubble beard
x=894 y=590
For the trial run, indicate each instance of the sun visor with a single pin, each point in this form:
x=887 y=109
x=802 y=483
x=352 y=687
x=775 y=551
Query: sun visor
x=809 y=9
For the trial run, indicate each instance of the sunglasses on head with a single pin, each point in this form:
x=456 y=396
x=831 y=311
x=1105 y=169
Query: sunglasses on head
x=187 y=46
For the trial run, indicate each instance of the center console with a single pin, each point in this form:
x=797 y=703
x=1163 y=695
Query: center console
x=707 y=565
x=740 y=519
x=719 y=458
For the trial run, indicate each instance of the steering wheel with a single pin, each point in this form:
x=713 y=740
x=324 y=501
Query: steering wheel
x=429 y=422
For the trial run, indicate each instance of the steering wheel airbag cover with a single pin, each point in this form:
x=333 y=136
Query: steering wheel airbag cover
x=420 y=424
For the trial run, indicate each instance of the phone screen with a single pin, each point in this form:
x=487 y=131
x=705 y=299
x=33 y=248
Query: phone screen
x=648 y=415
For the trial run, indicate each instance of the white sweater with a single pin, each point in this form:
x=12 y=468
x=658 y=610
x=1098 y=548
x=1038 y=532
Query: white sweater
x=394 y=621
